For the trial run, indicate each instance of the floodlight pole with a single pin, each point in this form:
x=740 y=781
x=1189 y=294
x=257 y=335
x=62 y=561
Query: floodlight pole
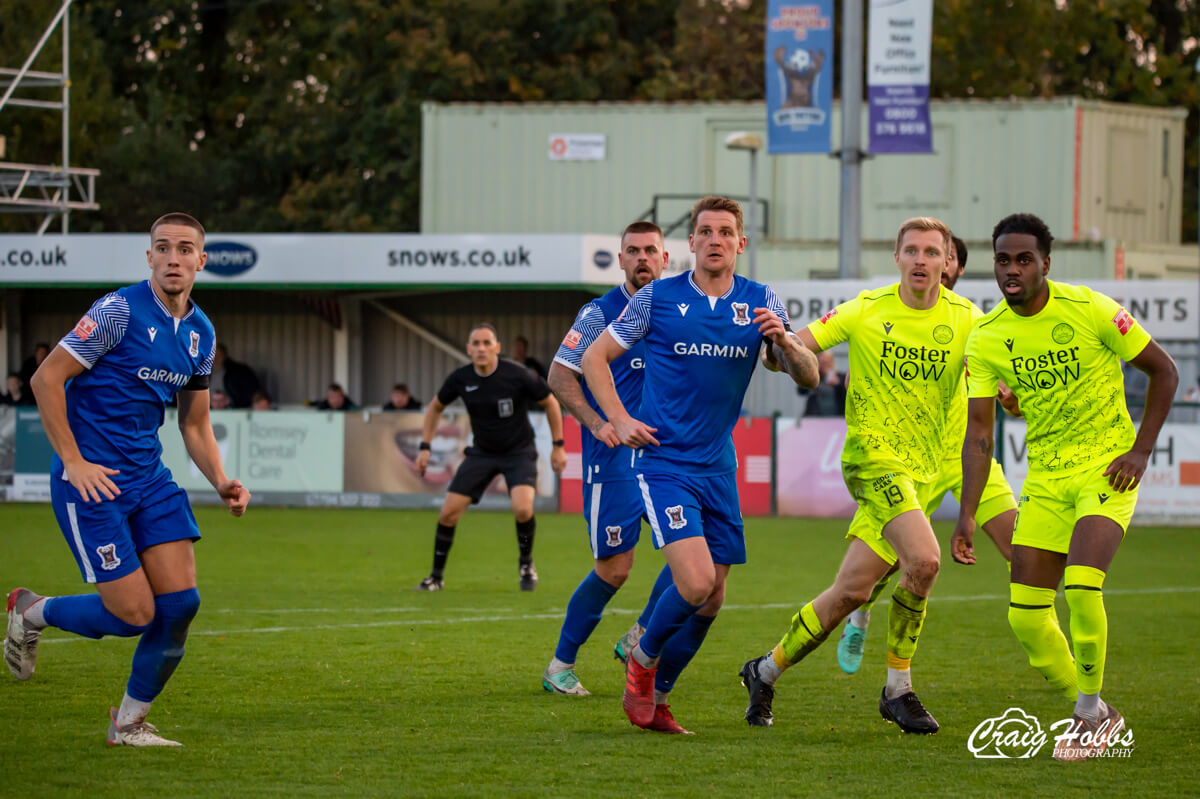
x=850 y=217
x=752 y=144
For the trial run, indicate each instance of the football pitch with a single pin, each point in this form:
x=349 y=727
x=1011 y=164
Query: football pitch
x=315 y=669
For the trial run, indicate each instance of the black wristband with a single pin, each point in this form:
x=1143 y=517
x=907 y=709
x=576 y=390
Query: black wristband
x=424 y=446
x=558 y=442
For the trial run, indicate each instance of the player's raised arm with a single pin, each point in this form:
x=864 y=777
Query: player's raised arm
x=196 y=429
x=433 y=413
x=787 y=350
x=48 y=383
x=1125 y=472
x=976 y=463
x=596 y=371
x=558 y=457
x=568 y=390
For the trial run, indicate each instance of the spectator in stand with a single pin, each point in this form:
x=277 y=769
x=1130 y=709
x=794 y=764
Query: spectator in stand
x=520 y=354
x=829 y=398
x=18 y=393
x=218 y=400
x=40 y=351
x=236 y=379
x=402 y=400
x=1193 y=392
x=261 y=402
x=336 y=400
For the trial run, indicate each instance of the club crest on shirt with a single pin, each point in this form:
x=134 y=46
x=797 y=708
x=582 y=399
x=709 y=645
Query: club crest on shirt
x=194 y=348
x=614 y=535
x=108 y=554
x=573 y=338
x=741 y=313
x=675 y=514
x=85 y=327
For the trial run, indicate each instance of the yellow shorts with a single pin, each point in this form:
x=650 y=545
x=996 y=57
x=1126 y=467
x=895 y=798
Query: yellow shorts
x=1050 y=507
x=880 y=499
x=997 y=496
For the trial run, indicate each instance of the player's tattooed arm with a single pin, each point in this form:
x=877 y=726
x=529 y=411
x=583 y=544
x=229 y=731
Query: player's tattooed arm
x=567 y=388
x=787 y=351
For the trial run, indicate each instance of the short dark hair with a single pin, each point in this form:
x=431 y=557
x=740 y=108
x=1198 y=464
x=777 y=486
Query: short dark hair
x=483 y=326
x=336 y=387
x=715 y=203
x=400 y=387
x=1024 y=223
x=178 y=218
x=641 y=226
x=960 y=250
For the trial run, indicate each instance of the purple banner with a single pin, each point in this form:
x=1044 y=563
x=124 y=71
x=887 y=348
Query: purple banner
x=899 y=119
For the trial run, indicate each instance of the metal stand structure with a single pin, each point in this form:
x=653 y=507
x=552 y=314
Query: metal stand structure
x=48 y=189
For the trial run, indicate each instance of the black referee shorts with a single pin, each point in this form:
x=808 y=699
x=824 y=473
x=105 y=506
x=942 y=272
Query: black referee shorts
x=477 y=471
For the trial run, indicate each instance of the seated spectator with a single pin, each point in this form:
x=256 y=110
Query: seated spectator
x=236 y=379
x=31 y=364
x=828 y=398
x=520 y=354
x=17 y=393
x=1193 y=392
x=218 y=400
x=402 y=400
x=261 y=402
x=336 y=400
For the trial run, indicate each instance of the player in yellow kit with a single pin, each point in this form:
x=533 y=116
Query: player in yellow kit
x=1059 y=348
x=997 y=509
x=906 y=347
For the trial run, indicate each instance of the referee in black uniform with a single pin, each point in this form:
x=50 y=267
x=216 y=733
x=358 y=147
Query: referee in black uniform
x=498 y=395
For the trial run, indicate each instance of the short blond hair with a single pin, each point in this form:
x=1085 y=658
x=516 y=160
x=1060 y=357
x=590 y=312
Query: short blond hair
x=924 y=223
x=714 y=203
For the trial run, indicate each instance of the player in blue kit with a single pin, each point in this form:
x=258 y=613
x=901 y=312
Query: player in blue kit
x=702 y=331
x=612 y=501
x=101 y=393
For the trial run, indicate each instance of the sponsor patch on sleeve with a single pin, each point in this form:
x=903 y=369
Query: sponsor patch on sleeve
x=85 y=327
x=1123 y=321
x=824 y=319
x=572 y=339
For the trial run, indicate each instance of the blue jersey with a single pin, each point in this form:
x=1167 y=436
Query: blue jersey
x=602 y=464
x=700 y=354
x=136 y=357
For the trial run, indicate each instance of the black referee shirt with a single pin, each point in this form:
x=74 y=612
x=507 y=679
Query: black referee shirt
x=498 y=405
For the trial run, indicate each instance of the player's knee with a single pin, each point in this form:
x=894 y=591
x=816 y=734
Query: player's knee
x=139 y=615
x=612 y=572
x=923 y=572
x=449 y=518
x=179 y=606
x=855 y=596
x=714 y=602
x=697 y=590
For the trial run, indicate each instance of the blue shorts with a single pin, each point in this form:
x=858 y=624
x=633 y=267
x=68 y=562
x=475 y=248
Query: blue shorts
x=680 y=506
x=614 y=513
x=106 y=537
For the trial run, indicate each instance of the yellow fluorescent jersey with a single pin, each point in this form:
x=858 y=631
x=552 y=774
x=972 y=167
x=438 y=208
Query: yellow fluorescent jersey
x=906 y=368
x=1064 y=365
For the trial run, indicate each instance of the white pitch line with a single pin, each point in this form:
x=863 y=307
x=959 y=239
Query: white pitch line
x=557 y=614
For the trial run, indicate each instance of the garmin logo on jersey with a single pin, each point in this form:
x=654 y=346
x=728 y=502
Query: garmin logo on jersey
x=1047 y=370
x=637 y=363
x=909 y=363
x=228 y=258
x=711 y=350
x=163 y=376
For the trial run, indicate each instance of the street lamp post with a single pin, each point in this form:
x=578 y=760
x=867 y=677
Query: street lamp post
x=752 y=144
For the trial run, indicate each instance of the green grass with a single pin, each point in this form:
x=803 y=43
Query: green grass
x=314 y=669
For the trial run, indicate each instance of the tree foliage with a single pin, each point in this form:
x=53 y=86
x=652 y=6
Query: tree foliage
x=304 y=115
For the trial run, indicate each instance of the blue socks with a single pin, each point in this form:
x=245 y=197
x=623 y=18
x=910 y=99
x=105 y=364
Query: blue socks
x=583 y=614
x=85 y=614
x=670 y=613
x=161 y=647
x=679 y=651
x=661 y=584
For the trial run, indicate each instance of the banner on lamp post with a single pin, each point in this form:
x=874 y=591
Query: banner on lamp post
x=799 y=75
x=899 y=38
